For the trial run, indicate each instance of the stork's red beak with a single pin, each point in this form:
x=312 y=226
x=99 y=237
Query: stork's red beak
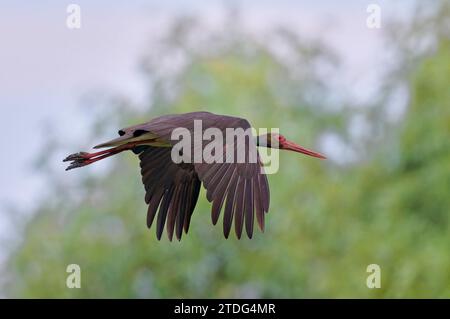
x=291 y=146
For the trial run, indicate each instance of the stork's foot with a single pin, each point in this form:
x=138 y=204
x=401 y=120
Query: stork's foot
x=78 y=160
x=78 y=163
x=77 y=157
x=83 y=159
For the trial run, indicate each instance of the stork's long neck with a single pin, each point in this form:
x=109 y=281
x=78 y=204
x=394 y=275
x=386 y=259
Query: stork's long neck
x=262 y=140
x=257 y=140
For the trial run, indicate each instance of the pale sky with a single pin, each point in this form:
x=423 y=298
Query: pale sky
x=45 y=68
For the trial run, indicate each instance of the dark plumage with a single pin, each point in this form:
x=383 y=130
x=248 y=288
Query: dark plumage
x=240 y=190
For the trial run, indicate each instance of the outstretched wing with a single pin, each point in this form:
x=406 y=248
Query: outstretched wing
x=171 y=190
x=240 y=188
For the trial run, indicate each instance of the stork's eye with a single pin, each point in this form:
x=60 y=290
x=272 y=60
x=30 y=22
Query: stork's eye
x=121 y=132
x=138 y=133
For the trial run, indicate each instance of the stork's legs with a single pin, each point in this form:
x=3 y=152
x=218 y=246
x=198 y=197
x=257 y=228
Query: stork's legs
x=83 y=159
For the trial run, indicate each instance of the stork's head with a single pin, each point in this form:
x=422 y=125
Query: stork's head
x=275 y=140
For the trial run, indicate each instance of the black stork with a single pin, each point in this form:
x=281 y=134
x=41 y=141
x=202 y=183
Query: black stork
x=172 y=189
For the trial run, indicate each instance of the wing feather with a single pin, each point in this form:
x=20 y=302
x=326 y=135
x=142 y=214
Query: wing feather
x=248 y=207
x=171 y=191
x=173 y=210
x=163 y=211
x=183 y=208
x=257 y=203
x=196 y=184
x=228 y=214
x=239 y=208
x=240 y=189
x=220 y=194
x=153 y=206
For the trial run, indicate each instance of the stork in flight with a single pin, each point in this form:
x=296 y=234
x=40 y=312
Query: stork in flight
x=172 y=189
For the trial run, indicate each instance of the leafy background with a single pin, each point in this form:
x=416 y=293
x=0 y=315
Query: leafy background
x=389 y=204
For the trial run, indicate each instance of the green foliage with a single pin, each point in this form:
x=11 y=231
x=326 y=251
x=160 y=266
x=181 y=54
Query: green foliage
x=327 y=223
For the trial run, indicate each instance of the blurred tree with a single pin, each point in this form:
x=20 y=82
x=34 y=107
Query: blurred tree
x=326 y=224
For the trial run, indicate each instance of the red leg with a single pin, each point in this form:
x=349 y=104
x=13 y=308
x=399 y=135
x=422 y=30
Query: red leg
x=84 y=155
x=83 y=159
